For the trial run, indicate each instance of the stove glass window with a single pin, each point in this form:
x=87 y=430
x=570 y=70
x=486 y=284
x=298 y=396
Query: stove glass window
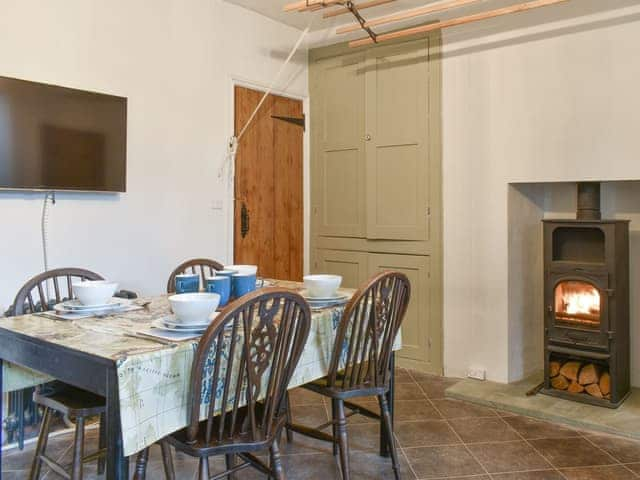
x=578 y=304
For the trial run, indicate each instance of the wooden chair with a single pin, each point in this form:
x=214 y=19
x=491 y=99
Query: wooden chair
x=36 y=296
x=204 y=266
x=361 y=361
x=248 y=355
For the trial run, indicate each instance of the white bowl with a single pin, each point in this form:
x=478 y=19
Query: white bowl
x=243 y=269
x=94 y=292
x=193 y=308
x=322 y=286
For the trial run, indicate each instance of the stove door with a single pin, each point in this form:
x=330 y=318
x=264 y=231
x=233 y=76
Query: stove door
x=577 y=302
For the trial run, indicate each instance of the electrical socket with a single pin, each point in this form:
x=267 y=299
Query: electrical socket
x=217 y=205
x=477 y=373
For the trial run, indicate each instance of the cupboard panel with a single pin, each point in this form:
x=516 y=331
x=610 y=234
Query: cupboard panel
x=352 y=266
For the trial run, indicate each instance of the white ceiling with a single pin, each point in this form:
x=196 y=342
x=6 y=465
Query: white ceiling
x=273 y=9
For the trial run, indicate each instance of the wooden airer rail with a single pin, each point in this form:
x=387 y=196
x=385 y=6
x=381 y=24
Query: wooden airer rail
x=347 y=6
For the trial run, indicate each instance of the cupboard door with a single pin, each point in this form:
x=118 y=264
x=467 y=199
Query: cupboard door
x=397 y=154
x=420 y=334
x=338 y=115
x=352 y=266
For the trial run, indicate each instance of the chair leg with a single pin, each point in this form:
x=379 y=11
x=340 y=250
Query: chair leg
x=41 y=446
x=102 y=443
x=78 y=450
x=289 y=419
x=230 y=460
x=203 y=471
x=142 y=459
x=276 y=462
x=167 y=460
x=388 y=426
x=343 y=440
x=334 y=425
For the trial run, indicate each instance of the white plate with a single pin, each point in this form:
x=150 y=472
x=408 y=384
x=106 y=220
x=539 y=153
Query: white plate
x=76 y=305
x=171 y=322
x=336 y=298
x=160 y=325
x=65 y=307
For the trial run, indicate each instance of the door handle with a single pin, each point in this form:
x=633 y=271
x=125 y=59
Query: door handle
x=244 y=220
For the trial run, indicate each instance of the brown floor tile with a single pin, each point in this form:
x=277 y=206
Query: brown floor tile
x=432 y=385
x=504 y=413
x=364 y=437
x=531 y=428
x=611 y=472
x=370 y=466
x=622 y=449
x=474 y=430
x=409 y=410
x=403 y=376
x=508 y=457
x=367 y=402
x=425 y=433
x=437 y=462
x=571 y=452
x=408 y=391
x=533 y=475
x=302 y=396
x=457 y=409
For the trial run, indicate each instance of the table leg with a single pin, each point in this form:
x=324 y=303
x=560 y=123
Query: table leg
x=117 y=464
x=384 y=446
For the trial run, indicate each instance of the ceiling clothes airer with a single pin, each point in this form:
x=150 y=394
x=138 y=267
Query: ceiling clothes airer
x=374 y=37
x=228 y=164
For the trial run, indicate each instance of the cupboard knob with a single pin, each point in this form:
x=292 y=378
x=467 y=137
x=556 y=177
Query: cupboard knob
x=367 y=137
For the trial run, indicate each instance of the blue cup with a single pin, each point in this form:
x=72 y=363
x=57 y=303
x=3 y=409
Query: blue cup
x=187 y=283
x=243 y=283
x=222 y=286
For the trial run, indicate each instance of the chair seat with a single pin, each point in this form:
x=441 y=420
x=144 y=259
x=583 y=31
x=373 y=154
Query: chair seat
x=231 y=441
x=71 y=401
x=322 y=387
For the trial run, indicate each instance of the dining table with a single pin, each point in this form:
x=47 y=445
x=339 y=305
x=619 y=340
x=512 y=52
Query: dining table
x=145 y=383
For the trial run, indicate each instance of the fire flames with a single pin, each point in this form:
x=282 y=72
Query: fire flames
x=578 y=301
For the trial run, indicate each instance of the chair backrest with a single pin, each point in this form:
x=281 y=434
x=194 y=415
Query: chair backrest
x=36 y=294
x=204 y=266
x=367 y=331
x=247 y=356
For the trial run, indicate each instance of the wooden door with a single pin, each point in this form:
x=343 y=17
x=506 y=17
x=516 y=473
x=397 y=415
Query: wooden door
x=421 y=333
x=339 y=169
x=268 y=186
x=352 y=266
x=397 y=153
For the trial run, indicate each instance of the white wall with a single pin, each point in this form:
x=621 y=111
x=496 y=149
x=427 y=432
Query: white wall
x=174 y=60
x=550 y=95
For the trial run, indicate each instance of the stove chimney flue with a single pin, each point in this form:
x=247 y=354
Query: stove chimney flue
x=589 y=201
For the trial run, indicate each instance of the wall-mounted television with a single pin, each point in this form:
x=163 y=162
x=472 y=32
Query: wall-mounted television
x=57 y=138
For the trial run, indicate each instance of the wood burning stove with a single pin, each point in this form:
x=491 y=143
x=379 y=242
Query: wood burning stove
x=586 y=293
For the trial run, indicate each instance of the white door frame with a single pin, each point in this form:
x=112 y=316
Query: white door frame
x=235 y=81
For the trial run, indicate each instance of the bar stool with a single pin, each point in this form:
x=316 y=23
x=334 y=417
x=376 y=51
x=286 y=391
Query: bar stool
x=74 y=403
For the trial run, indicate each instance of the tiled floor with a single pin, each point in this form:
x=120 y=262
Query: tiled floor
x=438 y=438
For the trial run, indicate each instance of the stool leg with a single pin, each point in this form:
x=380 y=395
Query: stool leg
x=41 y=446
x=78 y=450
x=102 y=443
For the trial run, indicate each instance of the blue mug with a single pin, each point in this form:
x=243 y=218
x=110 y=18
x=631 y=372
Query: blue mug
x=222 y=286
x=187 y=283
x=243 y=283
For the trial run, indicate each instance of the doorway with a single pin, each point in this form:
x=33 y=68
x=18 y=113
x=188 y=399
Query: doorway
x=268 y=207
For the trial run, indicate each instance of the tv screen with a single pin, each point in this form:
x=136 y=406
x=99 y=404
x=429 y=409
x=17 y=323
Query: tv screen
x=55 y=138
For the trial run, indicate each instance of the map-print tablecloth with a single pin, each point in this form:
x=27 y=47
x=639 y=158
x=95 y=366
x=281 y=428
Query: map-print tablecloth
x=153 y=379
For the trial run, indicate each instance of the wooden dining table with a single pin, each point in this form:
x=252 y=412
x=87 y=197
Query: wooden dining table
x=145 y=383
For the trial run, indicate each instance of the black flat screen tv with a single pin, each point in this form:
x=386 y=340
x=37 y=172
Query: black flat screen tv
x=56 y=138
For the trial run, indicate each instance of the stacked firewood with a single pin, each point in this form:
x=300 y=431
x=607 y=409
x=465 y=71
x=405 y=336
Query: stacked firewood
x=578 y=377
